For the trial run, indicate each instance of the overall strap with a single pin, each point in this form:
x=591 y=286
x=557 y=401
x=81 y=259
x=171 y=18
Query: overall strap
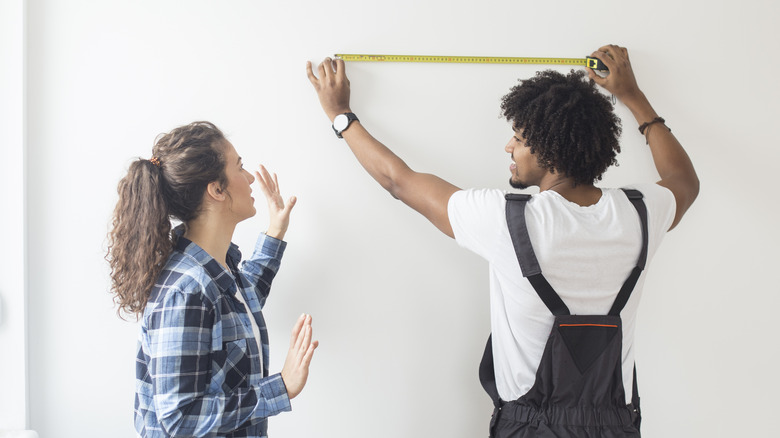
x=635 y=196
x=515 y=218
x=635 y=403
x=487 y=376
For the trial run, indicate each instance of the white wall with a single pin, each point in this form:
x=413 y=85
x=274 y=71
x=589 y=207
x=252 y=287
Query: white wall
x=400 y=310
x=13 y=321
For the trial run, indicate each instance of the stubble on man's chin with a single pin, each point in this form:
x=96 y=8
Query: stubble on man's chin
x=516 y=184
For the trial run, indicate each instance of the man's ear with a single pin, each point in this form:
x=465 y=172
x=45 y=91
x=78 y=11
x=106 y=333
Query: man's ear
x=215 y=191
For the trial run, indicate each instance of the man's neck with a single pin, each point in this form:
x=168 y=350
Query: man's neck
x=580 y=194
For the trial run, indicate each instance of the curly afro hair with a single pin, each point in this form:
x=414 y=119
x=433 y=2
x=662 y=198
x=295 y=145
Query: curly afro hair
x=567 y=123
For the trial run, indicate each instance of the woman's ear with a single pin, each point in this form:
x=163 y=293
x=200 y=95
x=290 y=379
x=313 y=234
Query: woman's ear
x=215 y=191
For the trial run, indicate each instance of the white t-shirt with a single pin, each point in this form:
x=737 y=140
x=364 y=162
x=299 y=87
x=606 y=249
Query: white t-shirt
x=585 y=253
x=255 y=327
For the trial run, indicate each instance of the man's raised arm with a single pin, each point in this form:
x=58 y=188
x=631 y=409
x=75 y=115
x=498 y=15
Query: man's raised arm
x=426 y=193
x=672 y=162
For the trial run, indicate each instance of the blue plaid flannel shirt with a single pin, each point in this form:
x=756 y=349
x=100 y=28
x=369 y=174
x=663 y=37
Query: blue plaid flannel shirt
x=198 y=370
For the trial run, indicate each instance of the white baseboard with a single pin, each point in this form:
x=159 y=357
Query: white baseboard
x=18 y=434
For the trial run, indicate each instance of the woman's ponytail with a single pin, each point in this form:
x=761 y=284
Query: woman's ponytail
x=139 y=242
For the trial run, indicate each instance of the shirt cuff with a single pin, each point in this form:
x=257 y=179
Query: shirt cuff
x=270 y=246
x=275 y=395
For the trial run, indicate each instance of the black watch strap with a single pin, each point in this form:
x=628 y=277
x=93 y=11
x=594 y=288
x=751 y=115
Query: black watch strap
x=351 y=117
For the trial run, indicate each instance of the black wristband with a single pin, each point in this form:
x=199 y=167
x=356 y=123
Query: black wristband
x=644 y=126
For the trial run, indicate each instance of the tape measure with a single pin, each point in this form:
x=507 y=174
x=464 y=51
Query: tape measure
x=589 y=62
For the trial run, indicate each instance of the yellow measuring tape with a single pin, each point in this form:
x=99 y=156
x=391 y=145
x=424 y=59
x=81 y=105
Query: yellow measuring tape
x=589 y=62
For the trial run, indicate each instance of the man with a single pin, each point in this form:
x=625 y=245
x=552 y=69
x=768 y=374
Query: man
x=545 y=369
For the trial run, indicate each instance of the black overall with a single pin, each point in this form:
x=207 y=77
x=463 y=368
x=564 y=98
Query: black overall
x=578 y=390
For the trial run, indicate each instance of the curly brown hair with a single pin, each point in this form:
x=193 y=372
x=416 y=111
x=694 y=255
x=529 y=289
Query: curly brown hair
x=169 y=185
x=568 y=124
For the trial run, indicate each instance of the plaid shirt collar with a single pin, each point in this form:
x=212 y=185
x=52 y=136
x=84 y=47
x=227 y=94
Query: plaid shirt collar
x=224 y=278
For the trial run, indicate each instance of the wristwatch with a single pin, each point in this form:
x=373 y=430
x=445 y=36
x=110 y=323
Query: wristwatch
x=341 y=123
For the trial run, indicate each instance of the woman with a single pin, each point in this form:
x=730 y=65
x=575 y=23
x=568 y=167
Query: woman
x=202 y=361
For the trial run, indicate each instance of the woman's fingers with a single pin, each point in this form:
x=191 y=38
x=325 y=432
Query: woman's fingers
x=270 y=181
x=297 y=329
x=309 y=354
x=303 y=338
x=276 y=184
x=290 y=204
x=306 y=336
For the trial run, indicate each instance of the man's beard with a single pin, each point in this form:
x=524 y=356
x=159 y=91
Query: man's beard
x=516 y=184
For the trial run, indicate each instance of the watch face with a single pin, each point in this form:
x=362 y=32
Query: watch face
x=340 y=122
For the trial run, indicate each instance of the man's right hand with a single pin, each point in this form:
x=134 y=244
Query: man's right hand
x=332 y=86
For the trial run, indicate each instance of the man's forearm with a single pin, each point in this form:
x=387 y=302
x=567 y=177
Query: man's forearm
x=379 y=161
x=425 y=193
x=673 y=164
x=668 y=154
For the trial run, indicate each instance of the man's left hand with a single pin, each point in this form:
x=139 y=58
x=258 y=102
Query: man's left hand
x=332 y=86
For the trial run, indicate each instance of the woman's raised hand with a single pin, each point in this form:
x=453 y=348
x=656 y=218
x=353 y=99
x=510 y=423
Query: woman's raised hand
x=278 y=210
